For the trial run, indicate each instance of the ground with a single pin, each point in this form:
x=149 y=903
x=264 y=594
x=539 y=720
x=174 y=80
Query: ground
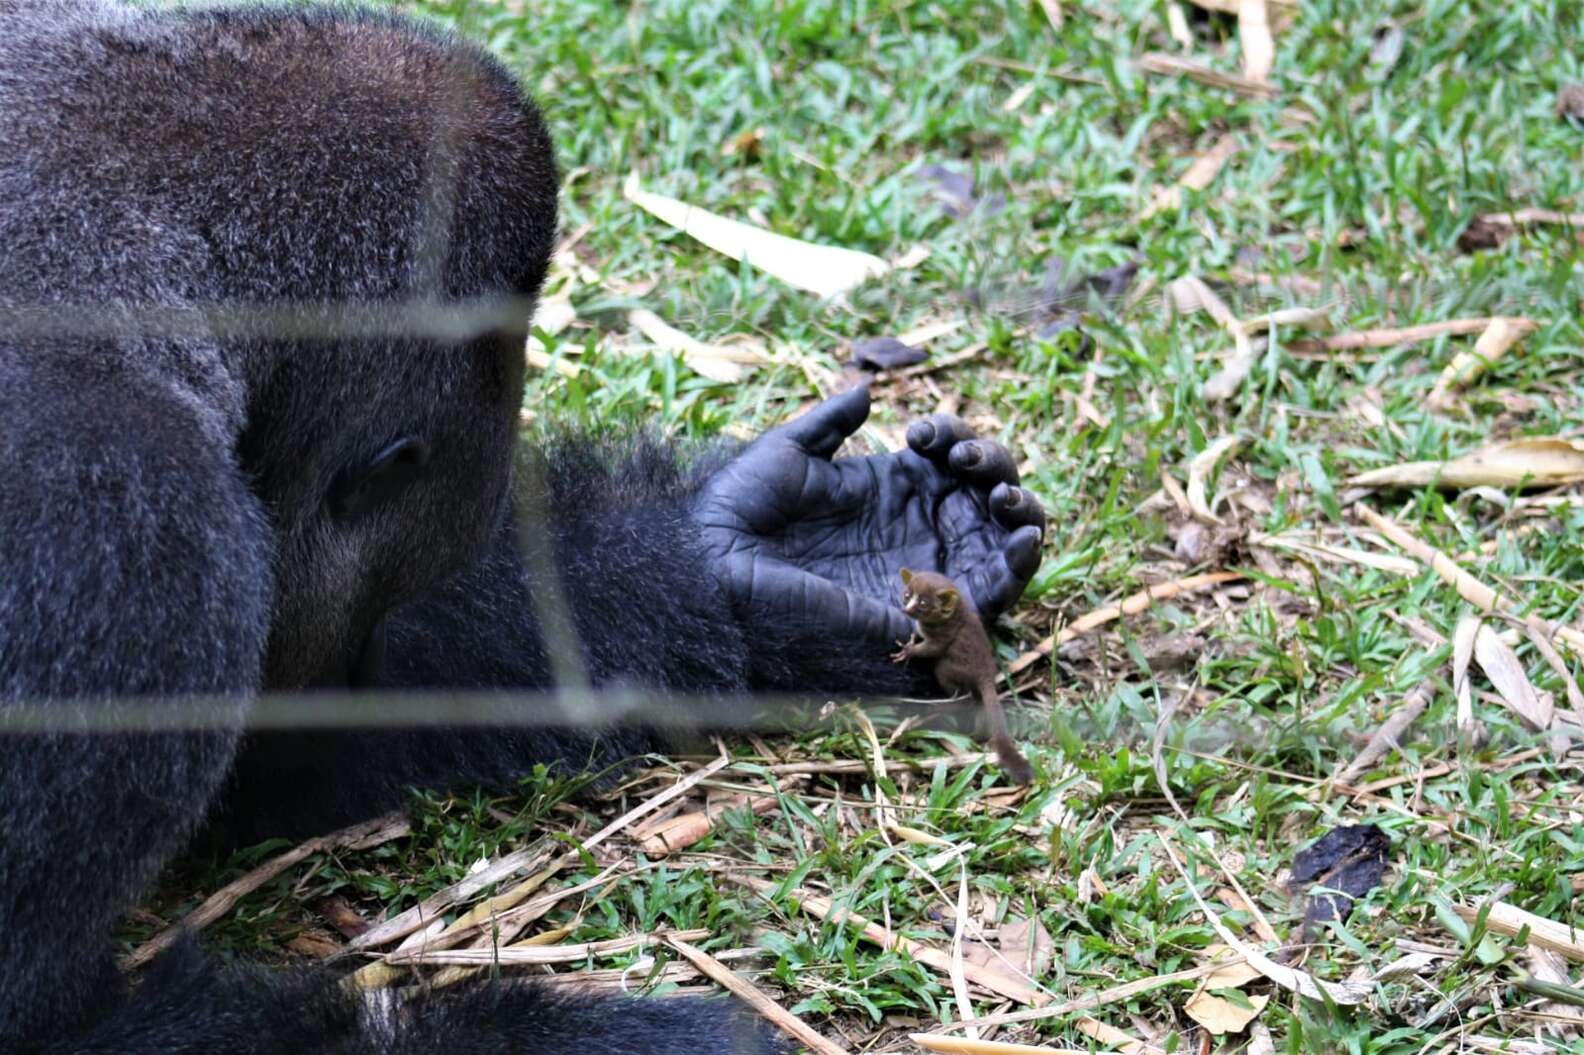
x=1215 y=725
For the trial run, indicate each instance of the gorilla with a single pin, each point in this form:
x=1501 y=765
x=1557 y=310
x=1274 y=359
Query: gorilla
x=265 y=281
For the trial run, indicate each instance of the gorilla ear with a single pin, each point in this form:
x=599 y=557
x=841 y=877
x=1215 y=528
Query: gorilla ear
x=907 y=577
x=359 y=489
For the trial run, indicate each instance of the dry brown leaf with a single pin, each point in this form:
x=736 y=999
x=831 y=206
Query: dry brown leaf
x=659 y=838
x=826 y=270
x=1254 y=34
x=1532 y=461
x=1199 y=469
x=540 y=359
x=1499 y=336
x=1116 y=1038
x=358 y=836
x=1224 y=383
x=535 y=951
x=718 y=362
x=1463 y=639
x=751 y=995
x=1467 y=586
x=1221 y=1016
x=1197 y=177
x=1027 y=944
x=1415 y=963
x=920 y=838
x=1018 y=97
x=1500 y=664
x=1234 y=973
x=1230 y=7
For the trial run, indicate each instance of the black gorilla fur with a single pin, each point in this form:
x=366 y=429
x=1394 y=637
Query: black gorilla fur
x=198 y=507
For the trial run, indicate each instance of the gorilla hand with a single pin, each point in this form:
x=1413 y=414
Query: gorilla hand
x=792 y=533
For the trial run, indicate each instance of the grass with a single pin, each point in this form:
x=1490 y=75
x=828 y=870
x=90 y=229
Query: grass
x=1359 y=175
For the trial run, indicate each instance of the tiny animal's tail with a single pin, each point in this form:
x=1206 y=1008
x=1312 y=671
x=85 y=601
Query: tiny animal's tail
x=1007 y=754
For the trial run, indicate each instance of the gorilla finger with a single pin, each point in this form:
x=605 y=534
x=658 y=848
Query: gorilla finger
x=983 y=462
x=1015 y=507
x=935 y=435
x=1009 y=572
x=1022 y=554
x=820 y=431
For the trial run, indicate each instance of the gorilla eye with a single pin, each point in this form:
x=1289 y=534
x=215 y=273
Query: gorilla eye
x=366 y=486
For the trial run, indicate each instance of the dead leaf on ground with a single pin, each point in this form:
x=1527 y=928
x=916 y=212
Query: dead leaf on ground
x=1500 y=664
x=1254 y=34
x=1463 y=639
x=1236 y=972
x=1531 y=461
x=1561 y=1020
x=1027 y=944
x=826 y=270
x=1198 y=175
x=1199 y=471
x=1494 y=343
x=1221 y=1016
x=718 y=362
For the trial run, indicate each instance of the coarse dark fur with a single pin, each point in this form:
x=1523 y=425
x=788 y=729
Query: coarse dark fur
x=951 y=633
x=193 y=508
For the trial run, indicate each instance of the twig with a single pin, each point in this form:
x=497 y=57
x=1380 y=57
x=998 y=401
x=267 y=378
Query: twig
x=959 y=761
x=1389 y=735
x=751 y=995
x=824 y=908
x=1467 y=586
x=532 y=952
x=1386 y=338
x=1510 y=920
x=1113 y=995
x=418 y=916
x=1172 y=66
x=362 y=836
x=1131 y=605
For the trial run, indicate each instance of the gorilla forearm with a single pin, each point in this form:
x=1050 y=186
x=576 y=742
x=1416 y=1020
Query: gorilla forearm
x=647 y=629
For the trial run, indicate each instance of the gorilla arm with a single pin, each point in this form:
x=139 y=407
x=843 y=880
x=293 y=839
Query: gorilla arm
x=771 y=571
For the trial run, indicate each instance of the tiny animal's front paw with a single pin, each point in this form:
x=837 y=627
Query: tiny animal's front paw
x=903 y=654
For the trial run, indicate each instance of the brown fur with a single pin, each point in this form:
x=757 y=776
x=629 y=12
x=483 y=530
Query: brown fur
x=949 y=632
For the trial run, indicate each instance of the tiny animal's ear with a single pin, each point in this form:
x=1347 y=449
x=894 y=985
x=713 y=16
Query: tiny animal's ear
x=907 y=577
x=949 y=599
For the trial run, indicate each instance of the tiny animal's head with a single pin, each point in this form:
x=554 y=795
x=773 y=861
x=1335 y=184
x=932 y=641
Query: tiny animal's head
x=928 y=597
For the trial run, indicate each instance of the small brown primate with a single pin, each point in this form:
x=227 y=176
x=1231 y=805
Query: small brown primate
x=950 y=633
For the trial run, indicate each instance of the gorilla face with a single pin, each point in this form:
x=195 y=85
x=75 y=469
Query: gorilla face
x=382 y=496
